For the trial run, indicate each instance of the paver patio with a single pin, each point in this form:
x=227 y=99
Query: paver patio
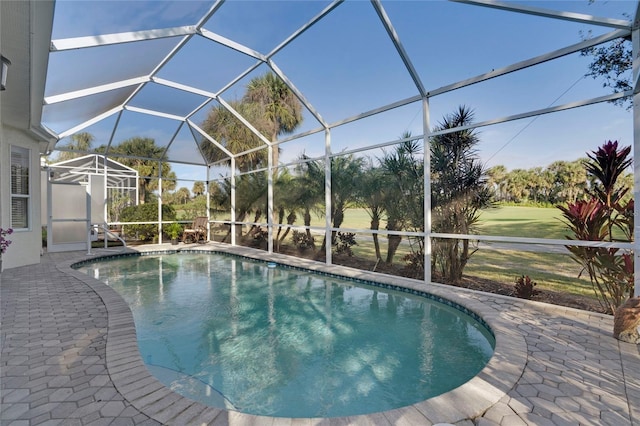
x=69 y=357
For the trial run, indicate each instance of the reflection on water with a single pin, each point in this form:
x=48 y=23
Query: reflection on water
x=272 y=341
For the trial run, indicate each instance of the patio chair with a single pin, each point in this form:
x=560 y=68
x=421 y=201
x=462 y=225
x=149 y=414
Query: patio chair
x=197 y=231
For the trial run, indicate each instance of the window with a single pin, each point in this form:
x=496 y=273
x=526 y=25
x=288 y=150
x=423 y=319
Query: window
x=20 y=194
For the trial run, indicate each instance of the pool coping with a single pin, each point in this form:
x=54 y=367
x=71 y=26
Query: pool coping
x=138 y=386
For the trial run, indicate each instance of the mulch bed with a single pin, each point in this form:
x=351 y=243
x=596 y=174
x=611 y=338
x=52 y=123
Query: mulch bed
x=547 y=296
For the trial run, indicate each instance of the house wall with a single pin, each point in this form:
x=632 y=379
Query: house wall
x=25 y=38
x=25 y=245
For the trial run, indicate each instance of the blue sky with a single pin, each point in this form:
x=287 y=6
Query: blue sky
x=346 y=65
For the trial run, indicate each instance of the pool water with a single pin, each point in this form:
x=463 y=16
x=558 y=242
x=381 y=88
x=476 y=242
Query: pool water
x=235 y=334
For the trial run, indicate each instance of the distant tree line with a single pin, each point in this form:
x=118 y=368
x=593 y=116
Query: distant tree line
x=561 y=182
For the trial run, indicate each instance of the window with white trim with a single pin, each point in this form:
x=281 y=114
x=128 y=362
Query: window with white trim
x=20 y=191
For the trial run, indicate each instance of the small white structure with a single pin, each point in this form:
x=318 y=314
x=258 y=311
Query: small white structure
x=83 y=195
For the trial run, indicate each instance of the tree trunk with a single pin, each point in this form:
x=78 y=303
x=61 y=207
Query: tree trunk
x=338 y=218
x=238 y=227
x=276 y=239
x=142 y=191
x=291 y=219
x=255 y=227
x=307 y=222
x=394 y=242
x=375 y=225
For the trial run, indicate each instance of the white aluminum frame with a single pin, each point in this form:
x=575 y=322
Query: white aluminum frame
x=620 y=28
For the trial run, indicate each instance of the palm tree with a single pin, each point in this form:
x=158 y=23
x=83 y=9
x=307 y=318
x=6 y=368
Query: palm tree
x=198 y=188
x=403 y=190
x=371 y=197
x=285 y=195
x=232 y=134
x=251 y=196
x=80 y=142
x=345 y=170
x=570 y=180
x=278 y=108
x=497 y=180
x=183 y=195
x=276 y=111
x=309 y=189
x=143 y=155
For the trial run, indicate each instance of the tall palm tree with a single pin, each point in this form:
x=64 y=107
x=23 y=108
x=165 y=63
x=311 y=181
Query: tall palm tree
x=278 y=108
x=276 y=111
x=232 y=134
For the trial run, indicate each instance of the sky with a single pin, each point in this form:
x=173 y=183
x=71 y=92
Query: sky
x=344 y=65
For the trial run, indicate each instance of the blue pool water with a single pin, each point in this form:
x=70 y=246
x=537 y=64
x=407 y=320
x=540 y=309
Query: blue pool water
x=236 y=334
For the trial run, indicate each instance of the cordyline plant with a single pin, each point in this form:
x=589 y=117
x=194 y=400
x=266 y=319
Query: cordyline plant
x=597 y=219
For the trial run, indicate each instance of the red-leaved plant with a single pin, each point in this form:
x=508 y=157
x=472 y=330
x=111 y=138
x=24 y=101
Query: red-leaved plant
x=596 y=219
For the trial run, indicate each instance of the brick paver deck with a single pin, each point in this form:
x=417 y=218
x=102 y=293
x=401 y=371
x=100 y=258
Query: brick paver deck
x=69 y=357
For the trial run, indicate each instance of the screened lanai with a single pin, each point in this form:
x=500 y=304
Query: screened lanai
x=178 y=88
x=84 y=194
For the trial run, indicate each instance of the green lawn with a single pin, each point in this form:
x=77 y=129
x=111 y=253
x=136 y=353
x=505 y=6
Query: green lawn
x=552 y=271
x=504 y=221
x=532 y=222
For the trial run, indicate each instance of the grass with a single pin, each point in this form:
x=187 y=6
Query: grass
x=552 y=271
x=533 y=222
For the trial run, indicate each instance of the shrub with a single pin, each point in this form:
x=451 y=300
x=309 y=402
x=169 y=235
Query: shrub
x=414 y=264
x=145 y=213
x=259 y=237
x=345 y=241
x=525 y=287
x=302 y=241
x=173 y=230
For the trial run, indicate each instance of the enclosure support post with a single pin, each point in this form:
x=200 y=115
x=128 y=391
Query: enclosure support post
x=208 y=203
x=49 y=210
x=105 y=188
x=88 y=203
x=427 y=189
x=233 y=201
x=270 y=207
x=327 y=196
x=159 y=202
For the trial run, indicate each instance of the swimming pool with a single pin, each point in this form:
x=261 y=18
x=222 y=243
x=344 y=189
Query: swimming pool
x=233 y=333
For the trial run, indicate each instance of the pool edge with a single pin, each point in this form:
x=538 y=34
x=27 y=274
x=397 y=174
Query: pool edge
x=468 y=401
